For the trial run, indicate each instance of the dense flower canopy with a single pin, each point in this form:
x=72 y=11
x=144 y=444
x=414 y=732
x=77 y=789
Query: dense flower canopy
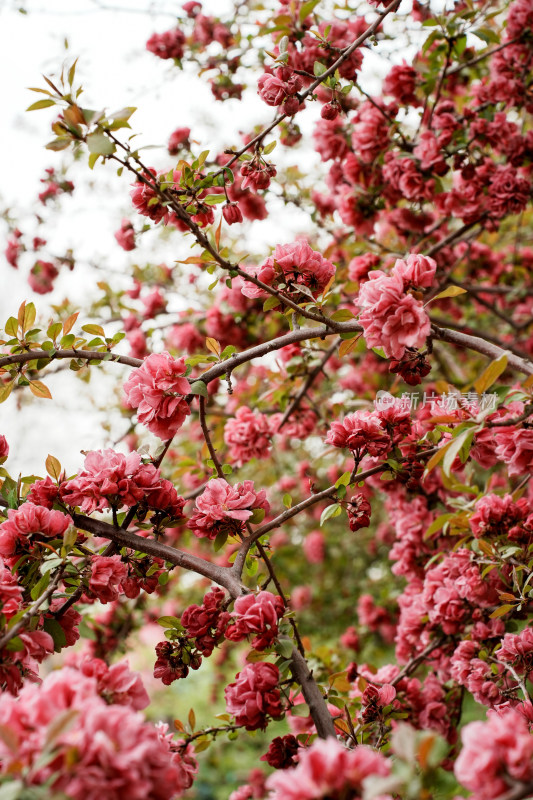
x=308 y=516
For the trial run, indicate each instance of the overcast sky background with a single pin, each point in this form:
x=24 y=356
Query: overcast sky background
x=115 y=70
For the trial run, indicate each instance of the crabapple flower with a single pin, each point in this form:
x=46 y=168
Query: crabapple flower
x=107 y=574
x=257 y=614
x=224 y=508
x=17 y=531
x=169 y=44
x=496 y=755
x=390 y=318
x=157 y=389
x=293 y=266
x=327 y=769
x=112 y=480
x=360 y=432
x=416 y=270
x=125 y=236
x=255 y=695
x=247 y=436
x=514 y=446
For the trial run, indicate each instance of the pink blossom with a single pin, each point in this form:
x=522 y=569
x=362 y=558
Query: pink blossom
x=314 y=547
x=41 y=276
x=157 y=389
x=207 y=623
x=169 y=44
x=255 y=695
x=517 y=649
x=125 y=236
x=4 y=449
x=514 y=446
x=327 y=769
x=361 y=432
x=222 y=508
x=232 y=213
x=10 y=592
x=247 y=436
x=117 y=683
x=17 y=531
x=391 y=319
x=111 y=479
x=107 y=574
x=178 y=139
x=495 y=515
x=400 y=83
x=416 y=270
x=496 y=754
x=256 y=614
x=118 y=754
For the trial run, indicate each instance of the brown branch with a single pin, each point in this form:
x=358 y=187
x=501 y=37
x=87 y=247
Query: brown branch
x=313 y=696
x=221 y=575
x=90 y=355
x=307 y=385
x=485 y=348
x=209 y=443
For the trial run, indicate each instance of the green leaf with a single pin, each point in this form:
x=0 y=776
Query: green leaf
x=170 y=622
x=287 y=500
x=307 y=9
x=227 y=469
x=344 y=480
x=54 y=629
x=40 y=586
x=11 y=326
x=501 y=611
x=284 y=647
x=100 y=145
x=329 y=512
x=213 y=199
x=94 y=330
x=491 y=374
x=46 y=103
x=270 y=302
x=220 y=540
x=451 y=291
x=269 y=148
x=342 y=315
x=12 y=789
x=258 y=515
x=319 y=68
x=199 y=387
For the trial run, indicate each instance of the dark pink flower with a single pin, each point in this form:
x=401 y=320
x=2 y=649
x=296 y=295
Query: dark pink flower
x=107 y=574
x=22 y=523
x=496 y=755
x=256 y=614
x=125 y=236
x=254 y=696
x=169 y=44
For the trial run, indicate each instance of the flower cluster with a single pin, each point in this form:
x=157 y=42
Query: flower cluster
x=391 y=317
x=29 y=524
x=295 y=269
x=255 y=695
x=106 y=750
x=328 y=769
x=112 y=480
x=256 y=614
x=222 y=508
x=158 y=390
x=247 y=435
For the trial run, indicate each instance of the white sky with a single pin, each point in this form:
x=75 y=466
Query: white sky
x=115 y=70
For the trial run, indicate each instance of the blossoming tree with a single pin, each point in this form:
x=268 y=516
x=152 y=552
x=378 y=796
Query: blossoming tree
x=361 y=553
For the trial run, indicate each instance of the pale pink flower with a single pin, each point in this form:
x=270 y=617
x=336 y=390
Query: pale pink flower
x=496 y=755
x=16 y=532
x=107 y=574
x=224 y=508
x=157 y=389
x=248 y=436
